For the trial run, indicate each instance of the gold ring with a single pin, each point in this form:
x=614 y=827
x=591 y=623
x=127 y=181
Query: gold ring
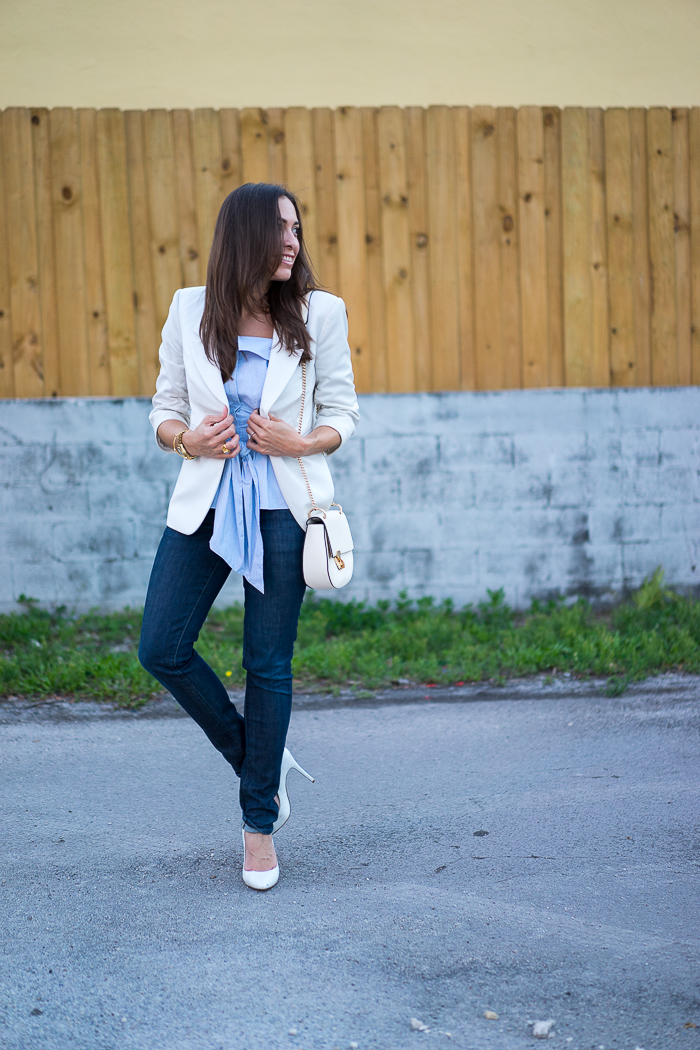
x=225 y=449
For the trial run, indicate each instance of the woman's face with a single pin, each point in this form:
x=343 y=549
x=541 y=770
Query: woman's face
x=289 y=225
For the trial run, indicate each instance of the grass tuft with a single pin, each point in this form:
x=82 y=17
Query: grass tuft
x=46 y=654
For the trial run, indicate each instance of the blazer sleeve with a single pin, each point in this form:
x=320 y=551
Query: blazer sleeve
x=334 y=394
x=170 y=400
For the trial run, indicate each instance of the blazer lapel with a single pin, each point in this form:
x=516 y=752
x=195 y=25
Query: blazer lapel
x=211 y=374
x=279 y=372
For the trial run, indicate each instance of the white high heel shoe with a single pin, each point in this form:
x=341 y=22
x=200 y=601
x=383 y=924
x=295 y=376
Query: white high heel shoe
x=285 y=808
x=259 y=880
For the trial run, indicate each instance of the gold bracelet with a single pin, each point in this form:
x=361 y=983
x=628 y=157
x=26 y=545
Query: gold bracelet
x=179 y=447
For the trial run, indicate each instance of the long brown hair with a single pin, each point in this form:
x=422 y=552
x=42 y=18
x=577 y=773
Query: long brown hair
x=245 y=253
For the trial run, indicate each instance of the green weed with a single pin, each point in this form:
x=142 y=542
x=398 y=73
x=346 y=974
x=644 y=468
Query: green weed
x=368 y=646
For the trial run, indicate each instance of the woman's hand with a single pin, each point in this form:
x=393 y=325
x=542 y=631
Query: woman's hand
x=207 y=439
x=274 y=437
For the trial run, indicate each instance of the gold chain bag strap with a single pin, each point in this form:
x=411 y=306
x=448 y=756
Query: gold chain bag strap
x=328 y=547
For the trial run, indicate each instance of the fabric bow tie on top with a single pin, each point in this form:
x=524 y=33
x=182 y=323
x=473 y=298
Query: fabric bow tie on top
x=237 y=537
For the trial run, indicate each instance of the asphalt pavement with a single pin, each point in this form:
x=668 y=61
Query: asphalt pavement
x=530 y=850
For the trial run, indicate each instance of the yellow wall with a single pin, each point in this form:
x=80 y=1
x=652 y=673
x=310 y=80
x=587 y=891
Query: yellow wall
x=169 y=53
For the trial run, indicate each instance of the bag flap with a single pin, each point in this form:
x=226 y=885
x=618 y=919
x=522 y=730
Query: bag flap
x=337 y=531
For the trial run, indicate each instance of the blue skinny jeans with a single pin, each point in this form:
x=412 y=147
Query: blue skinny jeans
x=185 y=580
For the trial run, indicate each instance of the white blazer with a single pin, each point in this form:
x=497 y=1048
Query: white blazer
x=190 y=387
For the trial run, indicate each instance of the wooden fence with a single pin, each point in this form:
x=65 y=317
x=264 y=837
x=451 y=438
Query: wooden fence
x=475 y=248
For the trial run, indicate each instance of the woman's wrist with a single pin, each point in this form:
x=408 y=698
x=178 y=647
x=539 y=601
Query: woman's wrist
x=323 y=439
x=180 y=447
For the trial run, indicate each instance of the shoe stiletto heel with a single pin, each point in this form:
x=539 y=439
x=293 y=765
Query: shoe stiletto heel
x=285 y=808
x=259 y=880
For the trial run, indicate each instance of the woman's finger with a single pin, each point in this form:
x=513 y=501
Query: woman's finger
x=234 y=447
x=208 y=420
x=257 y=423
x=220 y=426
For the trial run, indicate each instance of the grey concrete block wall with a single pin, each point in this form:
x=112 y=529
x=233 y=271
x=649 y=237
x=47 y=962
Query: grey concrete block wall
x=538 y=492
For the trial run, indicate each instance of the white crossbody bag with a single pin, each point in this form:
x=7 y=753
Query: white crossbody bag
x=328 y=547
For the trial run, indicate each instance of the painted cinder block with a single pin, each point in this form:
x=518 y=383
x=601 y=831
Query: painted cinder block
x=412 y=455
x=138 y=500
x=658 y=407
x=680 y=522
x=22 y=464
x=21 y=502
x=469 y=451
x=611 y=523
x=107 y=542
x=677 y=558
x=440 y=489
x=680 y=444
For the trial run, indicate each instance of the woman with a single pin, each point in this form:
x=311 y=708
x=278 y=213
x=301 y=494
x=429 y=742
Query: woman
x=255 y=388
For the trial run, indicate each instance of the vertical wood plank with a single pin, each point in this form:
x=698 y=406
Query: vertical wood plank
x=95 y=307
x=186 y=197
x=7 y=379
x=69 y=252
x=694 y=160
x=276 y=148
x=254 y=135
x=640 y=246
x=533 y=247
x=22 y=250
x=551 y=130
x=116 y=241
x=681 y=229
x=396 y=249
x=206 y=140
x=327 y=222
x=231 y=161
x=487 y=246
x=43 y=188
x=163 y=210
x=618 y=169
x=373 y=371
x=578 y=321
x=600 y=350
x=664 y=336
x=420 y=256
x=509 y=242
x=352 y=255
x=442 y=245
x=465 y=245
x=144 y=297
x=300 y=173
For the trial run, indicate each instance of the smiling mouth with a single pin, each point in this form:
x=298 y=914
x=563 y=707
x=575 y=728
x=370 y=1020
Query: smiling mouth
x=288 y=259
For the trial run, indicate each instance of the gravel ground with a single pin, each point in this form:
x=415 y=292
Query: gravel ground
x=529 y=850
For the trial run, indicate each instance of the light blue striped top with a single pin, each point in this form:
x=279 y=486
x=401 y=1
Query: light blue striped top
x=248 y=483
